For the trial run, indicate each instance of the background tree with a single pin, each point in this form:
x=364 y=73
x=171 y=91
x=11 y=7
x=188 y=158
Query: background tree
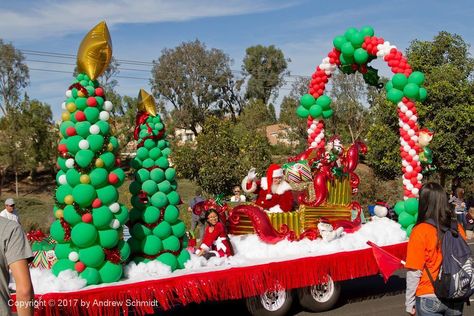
x=256 y=115
x=109 y=83
x=265 y=67
x=14 y=76
x=193 y=79
x=449 y=108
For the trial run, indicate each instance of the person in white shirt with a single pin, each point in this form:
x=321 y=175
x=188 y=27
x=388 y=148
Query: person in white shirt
x=10 y=212
x=237 y=197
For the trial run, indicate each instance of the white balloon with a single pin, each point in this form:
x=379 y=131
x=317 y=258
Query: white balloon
x=405 y=182
x=313 y=126
x=104 y=116
x=415 y=191
x=69 y=163
x=409 y=113
x=419 y=177
x=114 y=207
x=400 y=123
x=114 y=223
x=412 y=152
x=94 y=129
x=416 y=158
x=314 y=144
x=62 y=179
x=68 y=93
x=108 y=106
x=83 y=144
x=406 y=127
x=404 y=108
x=414 y=118
x=405 y=163
x=411 y=132
x=309 y=131
x=73 y=256
x=409 y=186
x=63 y=105
x=409 y=168
x=406 y=147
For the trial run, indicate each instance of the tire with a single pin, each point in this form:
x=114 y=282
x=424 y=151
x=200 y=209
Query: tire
x=320 y=297
x=271 y=303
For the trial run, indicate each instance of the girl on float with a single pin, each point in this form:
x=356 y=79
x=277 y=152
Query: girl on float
x=215 y=241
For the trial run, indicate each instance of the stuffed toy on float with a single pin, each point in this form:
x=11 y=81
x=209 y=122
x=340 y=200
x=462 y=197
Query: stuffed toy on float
x=156 y=230
x=89 y=218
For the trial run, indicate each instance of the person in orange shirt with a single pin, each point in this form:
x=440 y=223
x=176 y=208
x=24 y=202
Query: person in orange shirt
x=424 y=250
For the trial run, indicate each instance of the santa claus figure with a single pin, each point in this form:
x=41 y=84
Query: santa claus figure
x=273 y=193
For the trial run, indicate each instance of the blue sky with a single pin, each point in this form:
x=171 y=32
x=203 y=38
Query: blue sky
x=302 y=29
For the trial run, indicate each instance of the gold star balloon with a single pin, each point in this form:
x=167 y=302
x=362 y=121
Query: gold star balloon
x=95 y=51
x=146 y=103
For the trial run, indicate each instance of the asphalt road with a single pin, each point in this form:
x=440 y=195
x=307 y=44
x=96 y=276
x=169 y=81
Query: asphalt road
x=363 y=296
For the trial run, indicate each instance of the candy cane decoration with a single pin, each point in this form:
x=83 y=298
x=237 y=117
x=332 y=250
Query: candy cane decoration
x=352 y=52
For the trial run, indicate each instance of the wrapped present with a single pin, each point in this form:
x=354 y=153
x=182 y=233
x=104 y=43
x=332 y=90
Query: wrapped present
x=298 y=174
x=42 y=246
x=43 y=259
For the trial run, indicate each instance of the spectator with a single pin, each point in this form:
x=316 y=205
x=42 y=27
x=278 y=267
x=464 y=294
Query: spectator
x=457 y=200
x=197 y=221
x=470 y=220
x=15 y=252
x=237 y=197
x=10 y=212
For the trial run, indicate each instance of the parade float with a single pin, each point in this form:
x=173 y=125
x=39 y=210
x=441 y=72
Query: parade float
x=308 y=247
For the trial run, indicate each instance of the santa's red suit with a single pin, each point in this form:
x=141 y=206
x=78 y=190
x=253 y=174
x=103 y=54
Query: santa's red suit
x=216 y=241
x=274 y=198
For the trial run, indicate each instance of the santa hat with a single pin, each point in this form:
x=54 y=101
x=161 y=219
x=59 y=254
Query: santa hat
x=427 y=131
x=274 y=171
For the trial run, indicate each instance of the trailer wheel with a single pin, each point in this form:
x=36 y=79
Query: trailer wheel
x=320 y=297
x=270 y=303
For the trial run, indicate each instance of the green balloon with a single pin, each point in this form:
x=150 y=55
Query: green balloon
x=149 y=143
x=91 y=275
x=62 y=191
x=388 y=86
x=168 y=259
x=361 y=56
x=171 y=214
x=114 y=142
x=108 y=194
x=164 y=186
x=81 y=103
x=422 y=94
x=108 y=238
x=162 y=162
x=162 y=144
x=148 y=163
x=137 y=203
x=120 y=175
x=143 y=133
x=338 y=41
x=395 y=95
x=136 y=163
x=84 y=194
x=324 y=101
x=399 y=81
x=171 y=243
x=151 y=215
x=104 y=127
x=62 y=251
x=124 y=249
x=135 y=215
x=417 y=78
x=399 y=207
x=347 y=49
x=302 y=112
x=411 y=91
x=64 y=126
x=349 y=33
x=84 y=157
x=101 y=217
x=135 y=245
x=72 y=144
x=328 y=113
x=96 y=142
x=92 y=256
x=183 y=257
x=173 y=198
x=82 y=129
x=159 y=127
x=159 y=200
x=170 y=174
x=406 y=219
x=357 y=39
x=142 y=175
x=140 y=231
x=367 y=31
x=157 y=175
x=109 y=160
x=142 y=153
x=99 y=177
x=84 y=235
x=122 y=215
x=162 y=230
x=100 y=101
x=179 y=229
x=62 y=265
x=71 y=216
x=134 y=187
x=411 y=206
x=409 y=229
x=62 y=164
x=72 y=177
x=307 y=101
x=151 y=245
x=154 y=153
x=110 y=272
x=92 y=114
x=347 y=60
x=166 y=152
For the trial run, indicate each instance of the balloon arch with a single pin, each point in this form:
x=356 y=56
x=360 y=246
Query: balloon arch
x=351 y=53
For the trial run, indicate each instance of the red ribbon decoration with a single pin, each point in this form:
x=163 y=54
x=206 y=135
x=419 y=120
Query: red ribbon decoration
x=35 y=235
x=113 y=255
x=80 y=87
x=139 y=120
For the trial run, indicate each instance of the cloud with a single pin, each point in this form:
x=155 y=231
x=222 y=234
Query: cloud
x=44 y=19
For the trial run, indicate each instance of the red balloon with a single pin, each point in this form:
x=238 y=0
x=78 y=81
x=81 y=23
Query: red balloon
x=79 y=267
x=70 y=131
x=113 y=178
x=62 y=148
x=87 y=218
x=80 y=116
x=96 y=203
x=99 y=91
x=91 y=101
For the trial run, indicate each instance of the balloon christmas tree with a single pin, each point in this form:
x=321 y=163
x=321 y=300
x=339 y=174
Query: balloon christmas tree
x=89 y=219
x=156 y=230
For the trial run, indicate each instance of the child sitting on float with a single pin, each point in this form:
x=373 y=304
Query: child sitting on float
x=215 y=241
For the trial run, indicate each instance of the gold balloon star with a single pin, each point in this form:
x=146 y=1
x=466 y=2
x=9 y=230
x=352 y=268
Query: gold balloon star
x=95 y=51
x=146 y=103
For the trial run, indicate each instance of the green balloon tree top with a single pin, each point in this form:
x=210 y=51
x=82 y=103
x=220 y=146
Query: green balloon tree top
x=156 y=230
x=89 y=219
x=407 y=212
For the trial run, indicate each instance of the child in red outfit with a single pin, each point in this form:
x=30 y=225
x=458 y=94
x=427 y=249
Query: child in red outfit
x=215 y=241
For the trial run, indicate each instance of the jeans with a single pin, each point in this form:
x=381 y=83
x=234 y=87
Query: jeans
x=432 y=306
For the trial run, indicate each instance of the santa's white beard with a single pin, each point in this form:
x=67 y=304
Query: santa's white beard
x=275 y=187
